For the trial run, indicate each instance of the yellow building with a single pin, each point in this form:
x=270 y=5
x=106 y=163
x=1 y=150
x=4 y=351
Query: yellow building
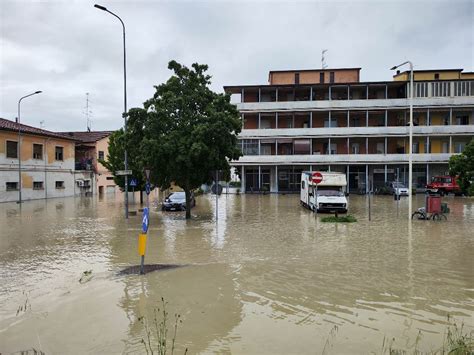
x=47 y=163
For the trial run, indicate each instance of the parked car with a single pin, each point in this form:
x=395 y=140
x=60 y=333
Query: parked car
x=177 y=202
x=443 y=184
x=397 y=188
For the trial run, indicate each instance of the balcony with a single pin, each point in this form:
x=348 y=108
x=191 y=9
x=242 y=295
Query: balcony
x=339 y=159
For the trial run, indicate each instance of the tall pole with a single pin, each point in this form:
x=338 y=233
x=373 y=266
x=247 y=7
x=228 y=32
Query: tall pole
x=19 y=144
x=124 y=101
x=410 y=157
x=410 y=149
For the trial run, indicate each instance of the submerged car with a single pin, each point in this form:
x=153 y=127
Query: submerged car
x=397 y=188
x=177 y=202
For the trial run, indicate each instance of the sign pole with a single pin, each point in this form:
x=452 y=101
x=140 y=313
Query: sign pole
x=217 y=192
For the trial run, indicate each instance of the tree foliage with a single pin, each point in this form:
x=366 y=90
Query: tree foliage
x=189 y=131
x=462 y=165
x=132 y=140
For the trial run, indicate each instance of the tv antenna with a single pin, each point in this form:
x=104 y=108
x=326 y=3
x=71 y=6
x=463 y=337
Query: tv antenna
x=323 y=59
x=87 y=112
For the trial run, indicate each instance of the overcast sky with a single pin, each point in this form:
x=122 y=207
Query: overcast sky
x=67 y=48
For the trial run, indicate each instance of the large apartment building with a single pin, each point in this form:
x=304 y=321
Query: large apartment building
x=328 y=120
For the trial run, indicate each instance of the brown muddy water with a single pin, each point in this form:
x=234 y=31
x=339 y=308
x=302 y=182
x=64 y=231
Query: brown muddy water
x=269 y=277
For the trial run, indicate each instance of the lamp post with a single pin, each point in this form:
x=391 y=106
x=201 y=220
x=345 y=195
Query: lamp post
x=410 y=155
x=19 y=143
x=124 y=101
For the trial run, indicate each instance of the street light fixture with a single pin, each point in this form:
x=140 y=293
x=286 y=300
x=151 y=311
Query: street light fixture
x=19 y=144
x=103 y=8
x=410 y=155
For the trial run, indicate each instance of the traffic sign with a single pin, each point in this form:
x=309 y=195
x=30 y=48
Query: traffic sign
x=147 y=188
x=123 y=172
x=145 y=220
x=133 y=182
x=317 y=177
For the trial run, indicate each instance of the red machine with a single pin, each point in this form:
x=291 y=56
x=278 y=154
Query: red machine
x=443 y=185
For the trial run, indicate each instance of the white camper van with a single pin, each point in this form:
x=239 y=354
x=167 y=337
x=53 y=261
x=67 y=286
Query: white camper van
x=327 y=196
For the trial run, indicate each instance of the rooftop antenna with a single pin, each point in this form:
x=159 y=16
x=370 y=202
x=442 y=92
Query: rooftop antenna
x=323 y=59
x=88 y=113
x=42 y=124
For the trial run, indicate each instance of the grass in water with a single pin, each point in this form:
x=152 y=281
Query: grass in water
x=156 y=335
x=457 y=341
x=343 y=219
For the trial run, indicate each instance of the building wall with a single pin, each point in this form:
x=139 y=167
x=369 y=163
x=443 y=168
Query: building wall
x=313 y=77
x=420 y=76
x=105 y=182
x=47 y=170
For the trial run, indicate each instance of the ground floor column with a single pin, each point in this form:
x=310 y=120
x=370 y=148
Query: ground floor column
x=242 y=180
x=347 y=179
x=427 y=173
x=276 y=178
x=385 y=174
x=259 y=178
x=366 y=178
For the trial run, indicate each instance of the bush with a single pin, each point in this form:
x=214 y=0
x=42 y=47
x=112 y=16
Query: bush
x=343 y=219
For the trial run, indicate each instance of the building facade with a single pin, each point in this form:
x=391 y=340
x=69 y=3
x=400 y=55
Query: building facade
x=91 y=148
x=47 y=163
x=328 y=120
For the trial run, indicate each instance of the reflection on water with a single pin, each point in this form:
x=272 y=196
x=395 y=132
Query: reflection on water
x=268 y=277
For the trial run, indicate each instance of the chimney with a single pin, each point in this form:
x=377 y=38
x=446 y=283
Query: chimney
x=398 y=72
x=16 y=119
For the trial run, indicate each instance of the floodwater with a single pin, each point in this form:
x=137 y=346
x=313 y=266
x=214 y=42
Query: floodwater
x=268 y=277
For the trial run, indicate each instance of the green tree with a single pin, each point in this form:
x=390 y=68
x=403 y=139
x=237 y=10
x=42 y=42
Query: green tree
x=132 y=140
x=462 y=165
x=189 y=130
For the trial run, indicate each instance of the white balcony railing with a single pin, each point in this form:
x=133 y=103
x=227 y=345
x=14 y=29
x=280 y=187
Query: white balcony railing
x=340 y=159
x=461 y=101
x=356 y=131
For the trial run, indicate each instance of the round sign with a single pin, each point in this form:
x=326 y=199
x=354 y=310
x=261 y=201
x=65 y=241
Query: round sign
x=317 y=177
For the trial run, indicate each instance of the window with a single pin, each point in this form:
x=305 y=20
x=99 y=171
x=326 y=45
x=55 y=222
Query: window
x=265 y=149
x=101 y=155
x=321 y=78
x=12 y=149
x=59 y=153
x=421 y=90
x=60 y=184
x=37 y=151
x=436 y=76
x=37 y=185
x=445 y=147
x=297 y=78
x=110 y=178
x=380 y=148
x=249 y=146
x=355 y=148
x=462 y=120
x=459 y=147
x=415 y=148
x=331 y=77
x=12 y=186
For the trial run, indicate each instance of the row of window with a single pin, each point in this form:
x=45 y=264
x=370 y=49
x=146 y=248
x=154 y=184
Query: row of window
x=37 y=185
x=444 y=89
x=303 y=147
x=12 y=151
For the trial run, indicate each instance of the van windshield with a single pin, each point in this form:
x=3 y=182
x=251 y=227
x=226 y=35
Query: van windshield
x=330 y=191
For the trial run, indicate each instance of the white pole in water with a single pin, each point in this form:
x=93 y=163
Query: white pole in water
x=217 y=192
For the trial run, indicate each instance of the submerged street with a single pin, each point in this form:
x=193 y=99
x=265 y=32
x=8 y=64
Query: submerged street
x=268 y=277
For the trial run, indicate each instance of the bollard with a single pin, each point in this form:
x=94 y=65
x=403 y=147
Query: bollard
x=142 y=239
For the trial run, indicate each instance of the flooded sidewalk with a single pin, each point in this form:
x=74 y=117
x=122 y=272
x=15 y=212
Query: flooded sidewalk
x=269 y=277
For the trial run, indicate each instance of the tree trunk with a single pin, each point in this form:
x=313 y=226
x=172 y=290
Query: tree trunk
x=188 y=202
x=141 y=197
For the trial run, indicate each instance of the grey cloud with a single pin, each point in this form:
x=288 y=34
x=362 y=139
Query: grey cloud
x=69 y=48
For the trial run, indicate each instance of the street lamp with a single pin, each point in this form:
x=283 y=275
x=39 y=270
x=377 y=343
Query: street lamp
x=19 y=144
x=410 y=154
x=124 y=102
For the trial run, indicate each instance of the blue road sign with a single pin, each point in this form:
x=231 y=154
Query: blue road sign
x=133 y=182
x=145 y=220
x=147 y=188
